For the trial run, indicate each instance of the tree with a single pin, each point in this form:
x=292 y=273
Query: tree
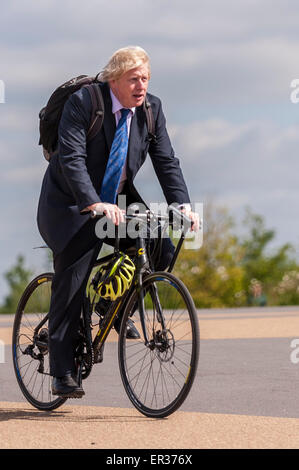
x=17 y=277
x=261 y=264
x=213 y=273
x=233 y=270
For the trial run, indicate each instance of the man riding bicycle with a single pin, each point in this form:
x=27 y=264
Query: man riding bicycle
x=84 y=176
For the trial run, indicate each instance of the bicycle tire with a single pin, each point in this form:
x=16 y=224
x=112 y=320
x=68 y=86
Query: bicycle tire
x=172 y=353
x=35 y=385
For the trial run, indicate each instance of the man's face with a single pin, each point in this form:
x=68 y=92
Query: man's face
x=130 y=89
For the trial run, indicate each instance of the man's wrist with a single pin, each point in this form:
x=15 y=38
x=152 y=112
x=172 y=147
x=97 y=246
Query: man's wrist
x=185 y=207
x=90 y=208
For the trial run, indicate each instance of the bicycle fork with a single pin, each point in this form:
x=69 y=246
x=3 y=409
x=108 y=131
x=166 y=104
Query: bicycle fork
x=143 y=267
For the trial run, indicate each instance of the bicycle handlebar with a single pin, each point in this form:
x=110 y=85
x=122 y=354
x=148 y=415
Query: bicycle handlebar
x=148 y=215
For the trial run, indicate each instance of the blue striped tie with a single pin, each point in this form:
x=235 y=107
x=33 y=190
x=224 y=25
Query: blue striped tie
x=117 y=158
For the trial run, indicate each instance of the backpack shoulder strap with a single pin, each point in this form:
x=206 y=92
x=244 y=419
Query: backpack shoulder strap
x=149 y=119
x=97 y=114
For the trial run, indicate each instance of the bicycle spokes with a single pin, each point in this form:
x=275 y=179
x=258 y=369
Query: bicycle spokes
x=158 y=374
x=30 y=344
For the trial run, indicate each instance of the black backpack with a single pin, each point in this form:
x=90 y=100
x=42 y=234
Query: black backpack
x=50 y=115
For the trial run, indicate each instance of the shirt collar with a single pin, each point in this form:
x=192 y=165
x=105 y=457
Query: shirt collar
x=116 y=105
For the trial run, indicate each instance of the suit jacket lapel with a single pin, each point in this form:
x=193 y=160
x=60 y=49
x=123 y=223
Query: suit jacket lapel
x=109 y=119
x=136 y=137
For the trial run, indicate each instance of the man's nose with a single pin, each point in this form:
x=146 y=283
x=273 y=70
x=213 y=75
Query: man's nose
x=141 y=84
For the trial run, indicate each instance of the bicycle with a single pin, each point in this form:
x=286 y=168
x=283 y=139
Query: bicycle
x=157 y=370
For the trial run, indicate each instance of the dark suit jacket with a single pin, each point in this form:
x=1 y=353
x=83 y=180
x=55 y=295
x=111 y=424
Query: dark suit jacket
x=74 y=176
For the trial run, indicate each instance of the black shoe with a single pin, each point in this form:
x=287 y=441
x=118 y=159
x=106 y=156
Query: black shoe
x=132 y=332
x=67 y=387
x=102 y=307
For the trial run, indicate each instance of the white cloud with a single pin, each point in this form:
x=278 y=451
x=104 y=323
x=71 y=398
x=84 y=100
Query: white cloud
x=18 y=118
x=214 y=53
x=206 y=135
x=238 y=165
x=24 y=176
x=254 y=164
x=224 y=152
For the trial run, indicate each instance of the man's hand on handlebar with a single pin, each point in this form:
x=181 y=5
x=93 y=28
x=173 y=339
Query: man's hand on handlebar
x=112 y=211
x=193 y=216
x=117 y=215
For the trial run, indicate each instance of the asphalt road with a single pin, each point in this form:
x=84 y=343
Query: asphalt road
x=244 y=395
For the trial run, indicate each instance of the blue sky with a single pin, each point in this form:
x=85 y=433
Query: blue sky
x=222 y=69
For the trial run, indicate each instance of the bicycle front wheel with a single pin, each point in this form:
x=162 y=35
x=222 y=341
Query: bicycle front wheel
x=30 y=344
x=158 y=376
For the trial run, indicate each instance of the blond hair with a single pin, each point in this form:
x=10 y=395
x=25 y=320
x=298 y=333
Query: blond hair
x=123 y=60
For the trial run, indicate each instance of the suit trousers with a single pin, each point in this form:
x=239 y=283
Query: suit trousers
x=72 y=268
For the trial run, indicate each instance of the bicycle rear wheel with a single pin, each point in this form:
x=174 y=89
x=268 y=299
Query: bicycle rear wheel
x=30 y=347
x=158 y=377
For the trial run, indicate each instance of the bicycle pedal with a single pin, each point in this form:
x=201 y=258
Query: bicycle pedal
x=75 y=394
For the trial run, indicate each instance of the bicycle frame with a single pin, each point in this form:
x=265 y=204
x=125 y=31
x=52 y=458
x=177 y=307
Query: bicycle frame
x=143 y=265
